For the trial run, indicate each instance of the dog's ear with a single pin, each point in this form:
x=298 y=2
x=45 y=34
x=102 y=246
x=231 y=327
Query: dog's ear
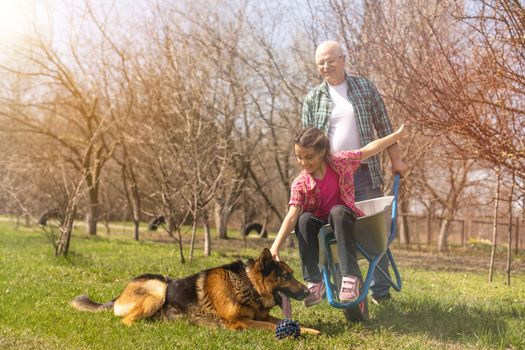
x=266 y=261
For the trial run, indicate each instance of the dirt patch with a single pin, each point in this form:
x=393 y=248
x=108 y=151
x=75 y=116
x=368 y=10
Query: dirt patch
x=457 y=260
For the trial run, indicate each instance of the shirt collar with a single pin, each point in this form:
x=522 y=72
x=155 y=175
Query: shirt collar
x=325 y=87
x=308 y=180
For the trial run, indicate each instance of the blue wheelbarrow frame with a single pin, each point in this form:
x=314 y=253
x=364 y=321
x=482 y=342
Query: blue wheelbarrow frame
x=374 y=233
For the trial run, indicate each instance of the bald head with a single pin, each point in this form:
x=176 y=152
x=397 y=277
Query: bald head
x=330 y=61
x=331 y=47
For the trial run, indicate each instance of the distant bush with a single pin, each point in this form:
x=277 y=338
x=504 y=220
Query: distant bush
x=484 y=244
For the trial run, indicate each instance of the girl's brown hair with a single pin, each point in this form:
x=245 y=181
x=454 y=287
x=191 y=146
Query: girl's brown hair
x=313 y=138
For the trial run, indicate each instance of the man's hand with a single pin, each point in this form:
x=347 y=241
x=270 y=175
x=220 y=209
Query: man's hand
x=399 y=167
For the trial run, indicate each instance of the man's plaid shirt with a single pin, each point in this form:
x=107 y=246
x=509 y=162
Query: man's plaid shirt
x=369 y=110
x=305 y=192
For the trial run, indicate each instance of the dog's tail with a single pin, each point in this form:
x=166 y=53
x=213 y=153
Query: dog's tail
x=84 y=303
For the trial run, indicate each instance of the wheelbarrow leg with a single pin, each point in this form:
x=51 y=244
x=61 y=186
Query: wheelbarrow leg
x=330 y=269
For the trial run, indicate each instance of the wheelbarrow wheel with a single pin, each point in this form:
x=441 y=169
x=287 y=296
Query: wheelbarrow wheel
x=358 y=313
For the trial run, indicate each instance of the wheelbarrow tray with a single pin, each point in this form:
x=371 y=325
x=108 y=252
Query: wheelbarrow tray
x=373 y=229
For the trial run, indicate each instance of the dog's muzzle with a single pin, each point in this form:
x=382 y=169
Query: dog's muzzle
x=298 y=295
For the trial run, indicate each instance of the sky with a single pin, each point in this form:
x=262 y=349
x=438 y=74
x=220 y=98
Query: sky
x=18 y=17
x=13 y=20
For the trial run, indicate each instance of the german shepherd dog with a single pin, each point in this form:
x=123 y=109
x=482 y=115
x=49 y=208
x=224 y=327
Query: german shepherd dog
x=235 y=296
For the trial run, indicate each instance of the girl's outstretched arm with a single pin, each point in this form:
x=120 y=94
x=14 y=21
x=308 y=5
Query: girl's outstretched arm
x=286 y=227
x=378 y=145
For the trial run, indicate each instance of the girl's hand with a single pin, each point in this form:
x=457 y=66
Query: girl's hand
x=275 y=254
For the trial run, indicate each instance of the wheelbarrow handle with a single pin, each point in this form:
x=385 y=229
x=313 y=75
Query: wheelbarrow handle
x=392 y=235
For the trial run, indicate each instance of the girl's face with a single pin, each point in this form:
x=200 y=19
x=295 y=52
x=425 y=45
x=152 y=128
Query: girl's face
x=309 y=159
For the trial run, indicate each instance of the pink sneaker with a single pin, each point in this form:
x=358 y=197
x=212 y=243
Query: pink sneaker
x=317 y=291
x=350 y=287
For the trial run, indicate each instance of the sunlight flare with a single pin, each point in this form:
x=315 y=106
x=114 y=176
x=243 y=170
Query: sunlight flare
x=14 y=19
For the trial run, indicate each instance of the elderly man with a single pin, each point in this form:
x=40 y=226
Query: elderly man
x=349 y=109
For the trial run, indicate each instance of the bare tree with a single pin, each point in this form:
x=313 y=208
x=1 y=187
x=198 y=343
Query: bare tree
x=509 y=232
x=68 y=112
x=499 y=54
x=495 y=224
x=61 y=184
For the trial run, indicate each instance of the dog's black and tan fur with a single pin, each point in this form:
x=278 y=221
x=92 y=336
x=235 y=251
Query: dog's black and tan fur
x=236 y=295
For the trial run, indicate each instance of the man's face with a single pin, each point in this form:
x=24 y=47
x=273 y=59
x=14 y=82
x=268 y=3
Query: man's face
x=331 y=65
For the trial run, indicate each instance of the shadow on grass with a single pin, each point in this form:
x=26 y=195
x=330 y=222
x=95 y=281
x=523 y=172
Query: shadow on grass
x=442 y=321
x=434 y=319
x=332 y=328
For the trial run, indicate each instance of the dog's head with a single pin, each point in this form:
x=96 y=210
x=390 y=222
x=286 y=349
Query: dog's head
x=277 y=276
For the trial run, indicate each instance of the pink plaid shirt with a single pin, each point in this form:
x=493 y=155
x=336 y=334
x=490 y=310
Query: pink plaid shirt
x=306 y=194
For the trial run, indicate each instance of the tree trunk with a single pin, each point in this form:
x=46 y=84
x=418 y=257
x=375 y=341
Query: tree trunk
x=244 y=216
x=136 y=231
x=132 y=192
x=66 y=227
x=264 y=230
x=106 y=225
x=193 y=232
x=92 y=211
x=522 y=222
x=443 y=233
x=405 y=230
x=207 y=234
x=135 y=201
x=290 y=242
x=494 y=226
x=509 y=249
x=172 y=226
x=91 y=225
x=517 y=240
x=221 y=221
x=17 y=222
x=181 y=251
x=429 y=224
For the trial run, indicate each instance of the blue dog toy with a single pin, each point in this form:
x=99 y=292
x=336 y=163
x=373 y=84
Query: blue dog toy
x=287 y=328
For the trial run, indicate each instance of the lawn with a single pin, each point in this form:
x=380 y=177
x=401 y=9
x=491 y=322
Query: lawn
x=439 y=308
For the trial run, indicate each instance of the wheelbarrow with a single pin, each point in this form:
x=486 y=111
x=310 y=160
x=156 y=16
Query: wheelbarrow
x=374 y=234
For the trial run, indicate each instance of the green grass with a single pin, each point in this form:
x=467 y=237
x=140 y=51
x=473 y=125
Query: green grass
x=435 y=310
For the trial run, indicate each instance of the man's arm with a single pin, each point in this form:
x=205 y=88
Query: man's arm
x=306 y=118
x=383 y=127
x=398 y=166
x=380 y=119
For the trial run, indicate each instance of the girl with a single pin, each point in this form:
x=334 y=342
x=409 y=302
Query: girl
x=324 y=193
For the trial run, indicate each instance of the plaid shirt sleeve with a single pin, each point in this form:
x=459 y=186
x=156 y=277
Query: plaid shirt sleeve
x=347 y=160
x=307 y=117
x=297 y=194
x=379 y=114
x=351 y=155
x=317 y=108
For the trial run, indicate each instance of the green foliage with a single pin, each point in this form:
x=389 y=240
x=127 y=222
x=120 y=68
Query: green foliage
x=435 y=310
